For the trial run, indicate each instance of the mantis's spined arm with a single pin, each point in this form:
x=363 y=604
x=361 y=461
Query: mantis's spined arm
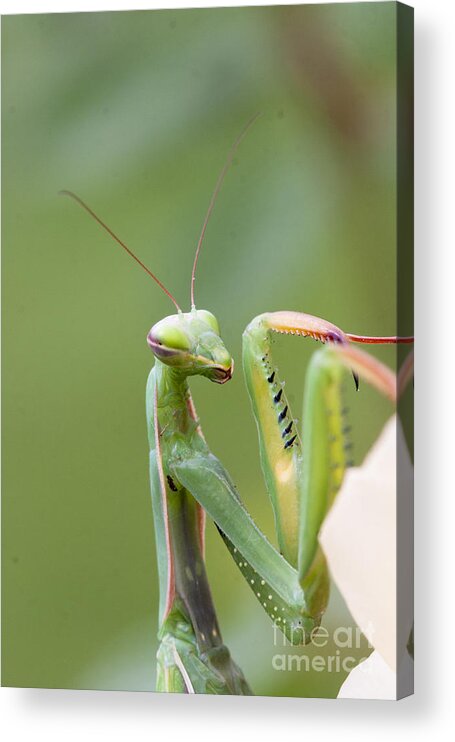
x=324 y=439
x=302 y=480
x=272 y=579
x=324 y=453
x=298 y=323
x=279 y=439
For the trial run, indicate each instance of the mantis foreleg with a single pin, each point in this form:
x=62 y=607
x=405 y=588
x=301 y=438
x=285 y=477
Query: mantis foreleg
x=273 y=580
x=303 y=470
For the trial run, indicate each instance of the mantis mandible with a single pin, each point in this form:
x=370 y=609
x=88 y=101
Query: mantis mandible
x=303 y=471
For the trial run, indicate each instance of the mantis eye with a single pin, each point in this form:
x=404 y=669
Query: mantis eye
x=168 y=338
x=171 y=337
x=209 y=319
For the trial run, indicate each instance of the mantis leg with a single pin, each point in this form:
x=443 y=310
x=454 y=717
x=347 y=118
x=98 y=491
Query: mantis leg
x=191 y=657
x=304 y=470
x=280 y=441
x=325 y=443
x=272 y=579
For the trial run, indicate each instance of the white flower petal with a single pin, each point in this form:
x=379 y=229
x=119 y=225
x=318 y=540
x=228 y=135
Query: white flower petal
x=359 y=538
x=372 y=678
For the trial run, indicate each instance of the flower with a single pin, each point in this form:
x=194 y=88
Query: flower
x=367 y=539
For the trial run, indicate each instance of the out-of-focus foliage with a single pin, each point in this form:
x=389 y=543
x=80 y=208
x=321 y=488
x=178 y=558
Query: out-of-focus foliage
x=135 y=112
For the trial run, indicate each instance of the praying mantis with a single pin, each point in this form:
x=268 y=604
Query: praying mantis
x=303 y=471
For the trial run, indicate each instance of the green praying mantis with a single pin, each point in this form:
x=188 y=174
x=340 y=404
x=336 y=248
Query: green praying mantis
x=303 y=471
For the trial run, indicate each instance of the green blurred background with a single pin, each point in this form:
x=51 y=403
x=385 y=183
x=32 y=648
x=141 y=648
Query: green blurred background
x=136 y=111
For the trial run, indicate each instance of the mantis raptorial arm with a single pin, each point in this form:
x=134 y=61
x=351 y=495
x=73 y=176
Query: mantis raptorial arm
x=304 y=470
x=272 y=579
x=326 y=445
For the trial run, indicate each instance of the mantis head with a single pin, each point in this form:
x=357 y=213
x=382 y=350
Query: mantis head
x=191 y=342
x=188 y=341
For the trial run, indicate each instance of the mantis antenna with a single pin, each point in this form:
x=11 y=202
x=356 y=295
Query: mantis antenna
x=119 y=241
x=215 y=193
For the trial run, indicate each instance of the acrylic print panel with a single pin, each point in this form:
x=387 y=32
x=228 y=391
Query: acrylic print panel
x=136 y=113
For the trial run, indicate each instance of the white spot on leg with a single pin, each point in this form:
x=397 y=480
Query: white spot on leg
x=284 y=470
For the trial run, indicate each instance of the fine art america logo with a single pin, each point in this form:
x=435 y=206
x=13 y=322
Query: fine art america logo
x=341 y=639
